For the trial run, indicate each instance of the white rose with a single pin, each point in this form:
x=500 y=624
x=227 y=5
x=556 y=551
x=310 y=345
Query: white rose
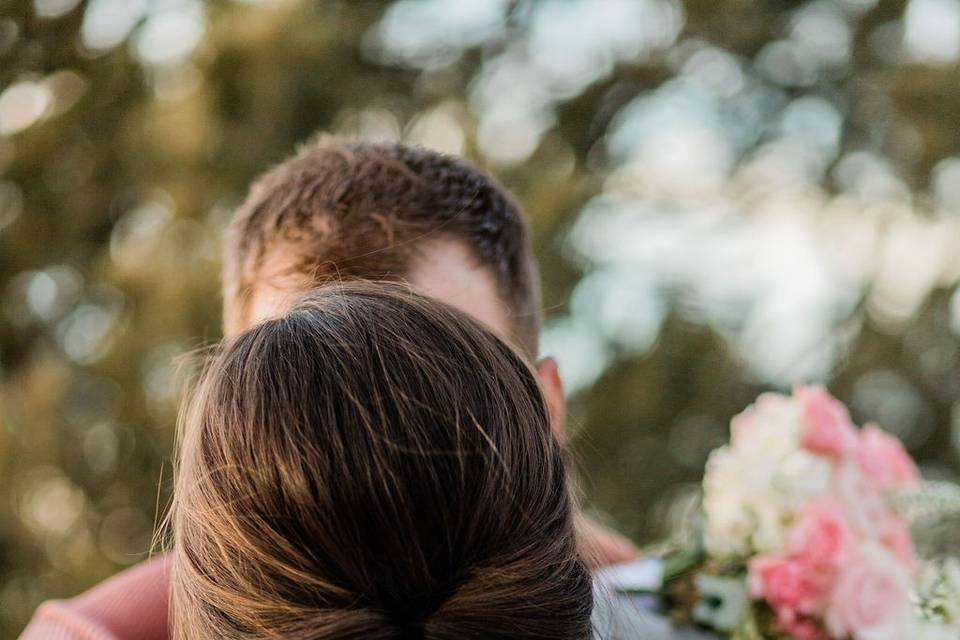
x=754 y=487
x=728 y=522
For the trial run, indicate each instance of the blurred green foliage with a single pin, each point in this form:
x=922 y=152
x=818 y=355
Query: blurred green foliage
x=130 y=129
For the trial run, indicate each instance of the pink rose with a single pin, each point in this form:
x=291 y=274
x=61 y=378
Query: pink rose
x=827 y=428
x=884 y=460
x=787 y=584
x=871 y=600
x=821 y=537
x=802 y=629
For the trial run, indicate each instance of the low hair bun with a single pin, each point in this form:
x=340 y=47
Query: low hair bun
x=516 y=596
x=373 y=466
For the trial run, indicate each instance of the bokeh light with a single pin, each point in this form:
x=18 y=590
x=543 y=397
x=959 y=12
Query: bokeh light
x=726 y=198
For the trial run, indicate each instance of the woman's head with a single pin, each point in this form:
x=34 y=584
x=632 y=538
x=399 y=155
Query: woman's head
x=373 y=465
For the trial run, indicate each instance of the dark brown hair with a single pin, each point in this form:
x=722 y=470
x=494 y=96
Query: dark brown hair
x=373 y=465
x=358 y=210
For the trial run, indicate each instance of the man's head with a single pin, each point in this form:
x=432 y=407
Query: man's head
x=349 y=210
x=344 y=210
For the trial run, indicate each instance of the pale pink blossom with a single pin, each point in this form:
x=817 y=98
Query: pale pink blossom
x=871 y=599
x=827 y=428
x=742 y=425
x=867 y=509
x=822 y=536
x=884 y=461
x=898 y=540
x=772 y=403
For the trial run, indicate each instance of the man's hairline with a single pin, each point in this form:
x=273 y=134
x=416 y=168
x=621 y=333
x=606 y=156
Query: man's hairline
x=244 y=289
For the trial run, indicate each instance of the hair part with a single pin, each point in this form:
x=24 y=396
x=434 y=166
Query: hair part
x=373 y=465
x=348 y=210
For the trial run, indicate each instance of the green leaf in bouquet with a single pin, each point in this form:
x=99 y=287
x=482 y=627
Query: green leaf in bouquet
x=748 y=628
x=757 y=623
x=684 y=552
x=682 y=561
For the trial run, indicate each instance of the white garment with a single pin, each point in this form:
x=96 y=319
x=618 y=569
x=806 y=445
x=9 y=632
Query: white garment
x=629 y=617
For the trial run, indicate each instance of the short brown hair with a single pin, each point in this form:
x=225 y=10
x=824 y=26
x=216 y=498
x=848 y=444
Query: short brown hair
x=373 y=465
x=358 y=210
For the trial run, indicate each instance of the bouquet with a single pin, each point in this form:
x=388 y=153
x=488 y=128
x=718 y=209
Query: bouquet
x=803 y=533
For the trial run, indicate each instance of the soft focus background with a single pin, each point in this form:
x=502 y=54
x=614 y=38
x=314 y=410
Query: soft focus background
x=728 y=196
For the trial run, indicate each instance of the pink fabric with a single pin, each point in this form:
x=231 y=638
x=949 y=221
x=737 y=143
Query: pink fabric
x=132 y=605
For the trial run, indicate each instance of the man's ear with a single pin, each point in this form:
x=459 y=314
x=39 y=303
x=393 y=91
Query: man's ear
x=552 y=385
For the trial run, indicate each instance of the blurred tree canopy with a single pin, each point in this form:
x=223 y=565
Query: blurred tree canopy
x=727 y=197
